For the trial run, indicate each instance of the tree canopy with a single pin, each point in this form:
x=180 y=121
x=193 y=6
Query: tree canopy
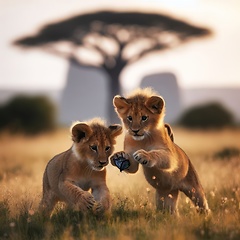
x=111 y=34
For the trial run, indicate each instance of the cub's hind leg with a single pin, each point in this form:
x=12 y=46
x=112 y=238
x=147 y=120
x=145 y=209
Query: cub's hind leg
x=193 y=189
x=167 y=201
x=197 y=196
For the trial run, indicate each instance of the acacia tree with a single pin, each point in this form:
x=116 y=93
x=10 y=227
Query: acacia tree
x=112 y=40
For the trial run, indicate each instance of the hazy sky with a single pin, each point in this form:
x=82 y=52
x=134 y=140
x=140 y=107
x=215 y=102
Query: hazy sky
x=213 y=62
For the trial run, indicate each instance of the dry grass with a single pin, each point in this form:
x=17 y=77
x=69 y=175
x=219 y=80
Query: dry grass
x=23 y=159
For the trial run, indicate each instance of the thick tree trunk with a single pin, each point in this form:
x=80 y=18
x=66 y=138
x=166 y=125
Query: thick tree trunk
x=114 y=89
x=114 y=84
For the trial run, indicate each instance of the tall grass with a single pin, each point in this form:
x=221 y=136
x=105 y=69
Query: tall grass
x=133 y=214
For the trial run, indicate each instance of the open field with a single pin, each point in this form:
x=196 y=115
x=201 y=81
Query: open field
x=133 y=216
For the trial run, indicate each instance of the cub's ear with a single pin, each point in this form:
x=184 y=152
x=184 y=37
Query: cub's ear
x=120 y=103
x=115 y=129
x=81 y=131
x=155 y=104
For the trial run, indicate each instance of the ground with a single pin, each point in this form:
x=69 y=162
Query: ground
x=215 y=155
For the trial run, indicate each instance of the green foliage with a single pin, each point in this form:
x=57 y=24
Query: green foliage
x=28 y=114
x=212 y=115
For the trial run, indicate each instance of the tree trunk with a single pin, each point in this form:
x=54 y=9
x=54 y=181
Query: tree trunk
x=114 y=84
x=114 y=89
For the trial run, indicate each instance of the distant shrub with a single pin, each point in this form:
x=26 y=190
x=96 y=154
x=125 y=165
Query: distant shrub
x=227 y=153
x=212 y=115
x=28 y=114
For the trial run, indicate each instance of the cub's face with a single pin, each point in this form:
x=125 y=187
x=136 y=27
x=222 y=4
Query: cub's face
x=93 y=144
x=139 y=114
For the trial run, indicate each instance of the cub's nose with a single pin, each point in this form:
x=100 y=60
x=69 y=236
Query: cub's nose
x=103 y=163
x=135 y=131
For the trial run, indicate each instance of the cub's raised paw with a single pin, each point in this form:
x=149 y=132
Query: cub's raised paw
x=120 y=160
x=142 y=157
x=120 y=154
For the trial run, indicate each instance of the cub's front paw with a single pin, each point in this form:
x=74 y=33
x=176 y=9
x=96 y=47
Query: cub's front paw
x=98 y=209
x=118 y=155
x=142 y=157
x=88 y=200
x=120 y=160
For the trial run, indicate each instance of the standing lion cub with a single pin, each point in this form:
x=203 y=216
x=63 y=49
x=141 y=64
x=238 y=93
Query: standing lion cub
x=149 y=142
x=70 y=175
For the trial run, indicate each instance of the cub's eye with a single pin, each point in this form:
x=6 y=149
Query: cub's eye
x=129 y=118
x=144 y=118
x=107 y=149
x=94 y=148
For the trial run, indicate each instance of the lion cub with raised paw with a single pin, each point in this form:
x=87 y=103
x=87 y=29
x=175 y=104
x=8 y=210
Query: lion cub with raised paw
x=149 y=142
x=70 y=175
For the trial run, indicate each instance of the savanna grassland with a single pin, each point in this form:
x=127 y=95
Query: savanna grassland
x=215 y=155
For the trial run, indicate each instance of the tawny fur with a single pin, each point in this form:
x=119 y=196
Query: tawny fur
x=149 y=142
x=78 y=175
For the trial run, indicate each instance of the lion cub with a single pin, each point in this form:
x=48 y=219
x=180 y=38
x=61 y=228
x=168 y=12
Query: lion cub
x=70 y=175
x=149 y=142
